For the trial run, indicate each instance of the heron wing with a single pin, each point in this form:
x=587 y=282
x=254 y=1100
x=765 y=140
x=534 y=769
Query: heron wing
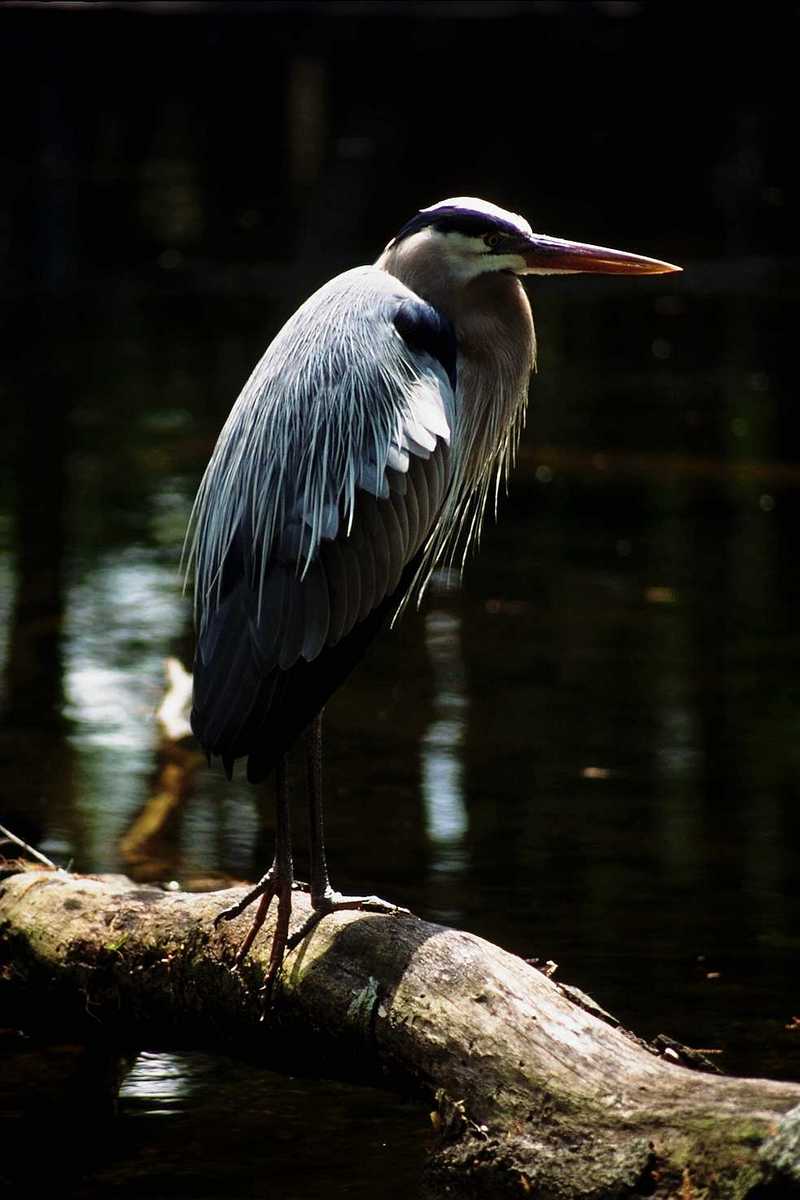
x=323 y=488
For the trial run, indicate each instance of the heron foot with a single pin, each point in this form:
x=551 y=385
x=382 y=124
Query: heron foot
x=330 y=901
x=274 y=884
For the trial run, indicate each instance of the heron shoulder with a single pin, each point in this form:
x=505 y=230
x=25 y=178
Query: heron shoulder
x=351 y=321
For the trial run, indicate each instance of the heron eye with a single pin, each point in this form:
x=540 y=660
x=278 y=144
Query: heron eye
x=492 y=239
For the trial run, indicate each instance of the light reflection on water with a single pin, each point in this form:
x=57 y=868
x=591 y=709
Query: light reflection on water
x=446 y=817
x=119 y=617
x=160 y=1083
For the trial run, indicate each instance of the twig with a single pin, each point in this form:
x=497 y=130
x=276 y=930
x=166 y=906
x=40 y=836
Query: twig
x=12 y=837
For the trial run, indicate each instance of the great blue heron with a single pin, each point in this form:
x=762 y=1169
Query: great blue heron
x=360 y=452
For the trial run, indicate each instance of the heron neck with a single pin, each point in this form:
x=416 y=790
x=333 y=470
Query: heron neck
x=492 y=319
x=497 y=353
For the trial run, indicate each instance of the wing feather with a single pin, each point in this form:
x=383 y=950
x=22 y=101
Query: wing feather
x=417 y=438
x=397 y=481
x=411 y=506
x=400 y=509
x=293 y=620
x=317 y=610
x=273 y=615
x=363 y=549
x=342 y=586
x=397 y=459
x=396 y=541
x=355 y=585
x=436 y=474
x=376 y=538
x=418 y=478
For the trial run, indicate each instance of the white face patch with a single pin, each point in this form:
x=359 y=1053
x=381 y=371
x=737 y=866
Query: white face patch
x=463 y=257
x=468 y=257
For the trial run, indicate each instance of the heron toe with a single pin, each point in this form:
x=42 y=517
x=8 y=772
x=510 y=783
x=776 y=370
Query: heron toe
x=275 y=883
x=331 y=901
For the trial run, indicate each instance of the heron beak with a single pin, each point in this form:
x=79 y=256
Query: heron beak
x=555 y=256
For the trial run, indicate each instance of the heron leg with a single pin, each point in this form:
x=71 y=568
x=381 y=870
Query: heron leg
x=278 y=881
x=320 y=883
x=324 y=899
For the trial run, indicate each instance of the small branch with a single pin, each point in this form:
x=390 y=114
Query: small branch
x=12 y=837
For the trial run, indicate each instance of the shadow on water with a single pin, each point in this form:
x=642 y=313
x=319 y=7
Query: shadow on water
x=588 y=750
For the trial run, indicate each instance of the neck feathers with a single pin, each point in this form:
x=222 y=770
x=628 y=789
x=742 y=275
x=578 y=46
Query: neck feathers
x=496 y=355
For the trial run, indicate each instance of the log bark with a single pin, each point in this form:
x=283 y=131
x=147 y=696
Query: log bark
x=533 y=1094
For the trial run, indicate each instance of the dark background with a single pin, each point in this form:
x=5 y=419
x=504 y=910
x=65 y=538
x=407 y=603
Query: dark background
x=588 y=752
x=246 y=134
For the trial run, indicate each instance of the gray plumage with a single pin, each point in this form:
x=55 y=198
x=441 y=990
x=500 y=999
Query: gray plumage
x=338 y=404
x=322 y=489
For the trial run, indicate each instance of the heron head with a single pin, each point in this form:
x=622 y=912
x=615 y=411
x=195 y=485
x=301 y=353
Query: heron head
x=468 y=238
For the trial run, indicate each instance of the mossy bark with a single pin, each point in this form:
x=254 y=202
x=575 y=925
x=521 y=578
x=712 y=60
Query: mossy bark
x=532 y=1093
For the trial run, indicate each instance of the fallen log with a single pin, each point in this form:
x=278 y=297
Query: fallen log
x=533 y=1092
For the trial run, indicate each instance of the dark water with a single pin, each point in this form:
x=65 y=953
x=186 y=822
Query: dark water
x=588 y=751
x=197 y=1126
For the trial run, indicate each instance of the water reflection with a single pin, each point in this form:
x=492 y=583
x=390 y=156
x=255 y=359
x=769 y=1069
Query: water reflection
x=120 y=615
x=202 y=1125
x=446 y=817
x=157 y=1084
